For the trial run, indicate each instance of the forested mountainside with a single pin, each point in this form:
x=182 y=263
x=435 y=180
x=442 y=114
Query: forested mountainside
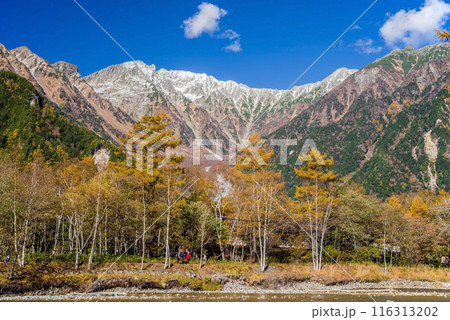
x=62 y=84
x=29 y=120
x=386 y=126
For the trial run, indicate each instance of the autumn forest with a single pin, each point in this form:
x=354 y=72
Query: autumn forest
x=94 y=209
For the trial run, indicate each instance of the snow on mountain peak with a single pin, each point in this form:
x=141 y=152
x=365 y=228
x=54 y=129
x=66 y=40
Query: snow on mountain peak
x=132 y=86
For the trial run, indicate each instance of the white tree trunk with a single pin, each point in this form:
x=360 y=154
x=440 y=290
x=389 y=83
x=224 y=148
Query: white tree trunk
x=97 y=216
x=143 y=240
x=167 y=258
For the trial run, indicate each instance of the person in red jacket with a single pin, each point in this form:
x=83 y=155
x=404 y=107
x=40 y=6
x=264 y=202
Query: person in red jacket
x=188 y=256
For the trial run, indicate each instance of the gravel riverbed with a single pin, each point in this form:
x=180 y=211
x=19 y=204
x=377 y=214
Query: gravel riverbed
x=236 y=290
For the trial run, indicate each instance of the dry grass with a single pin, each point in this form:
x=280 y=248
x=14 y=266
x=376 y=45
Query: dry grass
x=36 y=277
x=93 y=282
x=332 y=273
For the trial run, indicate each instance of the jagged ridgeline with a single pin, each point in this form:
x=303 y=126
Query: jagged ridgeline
x=387 y=126
x=30 y=121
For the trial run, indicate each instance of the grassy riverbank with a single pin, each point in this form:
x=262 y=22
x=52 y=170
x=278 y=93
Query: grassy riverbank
x=60 y=276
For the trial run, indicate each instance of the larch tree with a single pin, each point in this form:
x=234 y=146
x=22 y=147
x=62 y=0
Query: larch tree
x=155 y=141
x=418 y=208
x=253 y=164
x=317 y=197
x=240 y=227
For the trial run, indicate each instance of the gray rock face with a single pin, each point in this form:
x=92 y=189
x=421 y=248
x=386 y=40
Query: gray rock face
x=198 y=99
x=68 y=69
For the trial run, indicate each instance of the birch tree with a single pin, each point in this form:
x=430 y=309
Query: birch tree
x=253 y=165
x=205 y=226
x=37 y=197
x=101 y=161
x=219 y=192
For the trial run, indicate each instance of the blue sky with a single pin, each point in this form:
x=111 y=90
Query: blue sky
x=274 y=41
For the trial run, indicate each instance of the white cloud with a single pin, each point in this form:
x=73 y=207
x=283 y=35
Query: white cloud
x=206 y=20
x=234 y=47
x=416 y=27
x=230 y=34
x=367 y=46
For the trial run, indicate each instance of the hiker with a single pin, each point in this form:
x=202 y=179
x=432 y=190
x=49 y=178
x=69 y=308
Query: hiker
x=178 y=255
x=182 y=255
x=188 y=257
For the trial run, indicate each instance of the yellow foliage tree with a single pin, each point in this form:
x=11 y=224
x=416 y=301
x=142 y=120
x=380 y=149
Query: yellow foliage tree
x=316 y=198
x=163 y=180
x=266 y=187
x=394 y=203
x=254 y=156
x=418 y=208
x=443 y=34
x=154 y=130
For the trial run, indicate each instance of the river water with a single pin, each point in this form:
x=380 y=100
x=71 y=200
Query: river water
x=400 y=295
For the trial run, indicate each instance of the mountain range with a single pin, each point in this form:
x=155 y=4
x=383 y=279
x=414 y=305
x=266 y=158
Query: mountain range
x=202 y=106
x=386 y=125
